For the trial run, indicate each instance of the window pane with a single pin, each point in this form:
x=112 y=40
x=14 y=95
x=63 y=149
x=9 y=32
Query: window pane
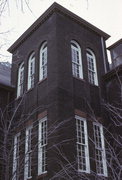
x=100 y=150
x=28 y=153
x=20 y=80
x=16 y=156
x=42 y=146
x=92 y=72
x=43 y=61
x=82 y=145
x=76 y=60
x=31 y=71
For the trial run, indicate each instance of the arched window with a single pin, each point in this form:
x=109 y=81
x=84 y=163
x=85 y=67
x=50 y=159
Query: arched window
x=31 y=71
x=76 y=60
x=43 y=61
x=92 y=70
x=20 y=80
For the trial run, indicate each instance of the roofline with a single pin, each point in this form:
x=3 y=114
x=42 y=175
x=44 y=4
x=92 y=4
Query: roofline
x=55 y=7
x=115 y=44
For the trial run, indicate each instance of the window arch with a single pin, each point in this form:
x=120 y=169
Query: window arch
x=31 y=70
x=77 y=70
x=92 y=70
x=43 y=61
x=20 y=80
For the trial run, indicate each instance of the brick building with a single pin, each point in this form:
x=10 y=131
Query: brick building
x=58 y=67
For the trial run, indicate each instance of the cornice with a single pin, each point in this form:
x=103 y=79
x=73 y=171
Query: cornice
x=57 y=9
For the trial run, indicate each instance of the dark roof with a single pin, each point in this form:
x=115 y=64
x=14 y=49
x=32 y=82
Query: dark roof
x=5 y=73
x=55 y=8
x=117 y=43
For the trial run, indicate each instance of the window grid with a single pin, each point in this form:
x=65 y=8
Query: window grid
x=28 y=153
x=31 y=71
x=92 y=72
x=82 y=145
x=100 y=150
x=76 y=60
x=42 y=152
x=43 y=61
x=20 y=80
x=16 y=157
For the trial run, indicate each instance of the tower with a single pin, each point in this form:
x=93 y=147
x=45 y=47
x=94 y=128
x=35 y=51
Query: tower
x=57 y=69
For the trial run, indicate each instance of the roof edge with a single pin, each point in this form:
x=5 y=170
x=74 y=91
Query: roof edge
x=115 y=44
x=54 y=8
x=112 y=72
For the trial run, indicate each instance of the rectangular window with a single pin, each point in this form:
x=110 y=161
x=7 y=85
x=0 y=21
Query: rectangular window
x=42 y=146
x=16 y=157
x=82 y=145
x=100 y=155
x=28 y=153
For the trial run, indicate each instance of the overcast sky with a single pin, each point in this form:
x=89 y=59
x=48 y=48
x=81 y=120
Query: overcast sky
x=104 y=14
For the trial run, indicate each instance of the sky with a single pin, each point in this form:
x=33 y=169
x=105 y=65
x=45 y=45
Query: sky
x=16 y=18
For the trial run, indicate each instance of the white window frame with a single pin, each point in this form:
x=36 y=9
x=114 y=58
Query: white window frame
x=16 y=157
x=20 y=80
x=42 y=146
x=101 y=165
x=92 y=69
x=43 y=62
x=77 y=69
x=28 y=153
x=82 y=145
x=31 y=71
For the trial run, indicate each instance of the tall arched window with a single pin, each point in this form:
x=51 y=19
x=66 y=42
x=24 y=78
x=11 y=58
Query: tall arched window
x=31 y=70
x=76 y=60
x=43 y=61
x=92 y=70
x=20 y=80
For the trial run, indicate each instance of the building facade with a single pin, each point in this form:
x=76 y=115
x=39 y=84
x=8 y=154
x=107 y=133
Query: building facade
x=59 y=126
x=6 y=96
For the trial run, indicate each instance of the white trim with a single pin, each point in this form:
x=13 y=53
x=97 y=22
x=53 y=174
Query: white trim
x=103 y=51
x=82 y=142
x=100 y=146
x=16 y=156
x=28 y=152
x=92 y=68
x=31 y=71
x=42 y=146
x=20 y=80
x=43 y=62
x=77 y=69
